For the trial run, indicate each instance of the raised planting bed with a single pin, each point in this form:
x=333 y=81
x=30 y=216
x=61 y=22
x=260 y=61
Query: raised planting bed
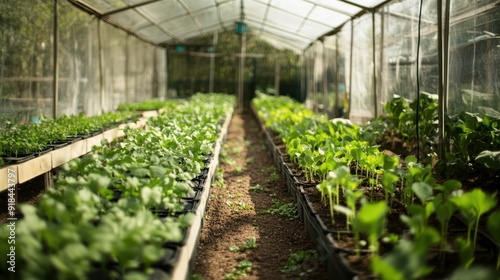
x=101 y=219
x=372 y=213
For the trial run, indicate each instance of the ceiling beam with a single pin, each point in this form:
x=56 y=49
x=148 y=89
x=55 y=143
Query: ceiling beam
x=128 y=8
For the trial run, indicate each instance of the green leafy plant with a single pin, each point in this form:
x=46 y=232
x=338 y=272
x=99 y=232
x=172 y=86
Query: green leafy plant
x=371 y=220
x=296 y=260
x=473 y=205
x=494 y=229
x=258 y=188
x=287 y=210
x=250 y=244
x=242 y=269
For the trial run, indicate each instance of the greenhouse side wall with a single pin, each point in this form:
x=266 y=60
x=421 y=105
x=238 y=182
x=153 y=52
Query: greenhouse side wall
x=130 y=72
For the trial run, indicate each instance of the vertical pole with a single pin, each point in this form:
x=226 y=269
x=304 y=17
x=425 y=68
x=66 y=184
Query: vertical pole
x=212 y=63
x=326 y=104
x=127 y=69
x=337 y=78
x=443 y=45
x=55 y=80
x=241 y=70
x=440 y=111
x=374 y=69
x=156 y=89
x=212 y=69
x=101 y=64
x=302 y=77
x=381 y=67
x=167 y=92
x=350 y=69
x=276 y=76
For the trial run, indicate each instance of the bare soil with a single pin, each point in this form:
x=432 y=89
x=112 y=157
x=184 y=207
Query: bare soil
x=245 y=162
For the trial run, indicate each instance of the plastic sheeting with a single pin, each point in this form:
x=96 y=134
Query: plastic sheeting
x=474 y=77
x=26 y=61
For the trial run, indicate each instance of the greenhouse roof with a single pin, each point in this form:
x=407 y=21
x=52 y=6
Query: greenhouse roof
x=292 y=24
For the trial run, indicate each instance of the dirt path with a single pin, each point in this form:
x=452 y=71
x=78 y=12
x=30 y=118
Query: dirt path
x=247 y=184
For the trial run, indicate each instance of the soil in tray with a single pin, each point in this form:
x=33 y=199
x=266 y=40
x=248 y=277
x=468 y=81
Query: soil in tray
x=249 y=163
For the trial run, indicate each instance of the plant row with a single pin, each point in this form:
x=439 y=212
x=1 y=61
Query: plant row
x=367 y=191
x=24 y=139
x=122 y=211
x=473 y=141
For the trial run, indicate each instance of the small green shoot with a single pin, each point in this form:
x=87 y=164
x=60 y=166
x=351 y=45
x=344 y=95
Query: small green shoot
x=473 y=205
x=258 y=188
x=273 y=177
x=250 y=244
x=296 y=260
x=242 y=269
x=249 y=160
x=287 y=210
x=493 y=227
x=234 y=248
x=237 y=150
x=196 y=277
x=238 y=169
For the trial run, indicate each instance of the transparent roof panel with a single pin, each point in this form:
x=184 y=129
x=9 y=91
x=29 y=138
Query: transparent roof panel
x=293 y=24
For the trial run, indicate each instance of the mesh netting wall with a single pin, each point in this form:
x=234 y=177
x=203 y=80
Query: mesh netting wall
x=474 y=75
x=26 y=60
x=133 y=69
x=361 y=102
x=78 y=60
x=473 y=82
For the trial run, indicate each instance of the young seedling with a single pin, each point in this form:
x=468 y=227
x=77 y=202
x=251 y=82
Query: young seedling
x=297 y=259
x=258 y=188
x=242 y=269
x=287 y=210
x=473 y=205
x=249 y=244
x=493 y=227
x=273 y=177
x=234 y=248
x=389 y=181
x=238 y=169
x=371 y=220
x=408 y=260
x=444 y=208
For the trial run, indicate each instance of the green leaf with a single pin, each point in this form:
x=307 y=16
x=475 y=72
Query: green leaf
x=389 y=180
x=371 y=220
x=140 y=172
x=157 y=171
x=490 y=159
x=422 y=190
x=493 y=225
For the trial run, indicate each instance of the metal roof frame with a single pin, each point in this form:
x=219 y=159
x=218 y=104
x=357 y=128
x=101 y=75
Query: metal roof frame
x=319 y=18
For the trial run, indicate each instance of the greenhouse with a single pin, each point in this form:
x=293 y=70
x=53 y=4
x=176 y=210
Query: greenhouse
x=250 y=139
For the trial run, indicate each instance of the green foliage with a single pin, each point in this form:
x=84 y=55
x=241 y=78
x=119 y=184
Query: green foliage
x=287 y=210
x=258 y=188
x=297 y=259
x=332 y=154
x=494 y=229
x=473 y=205
x=241 y=270
x=371 y=220
x=80 y=224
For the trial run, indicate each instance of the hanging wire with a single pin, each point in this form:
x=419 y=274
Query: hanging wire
x=418 y=79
